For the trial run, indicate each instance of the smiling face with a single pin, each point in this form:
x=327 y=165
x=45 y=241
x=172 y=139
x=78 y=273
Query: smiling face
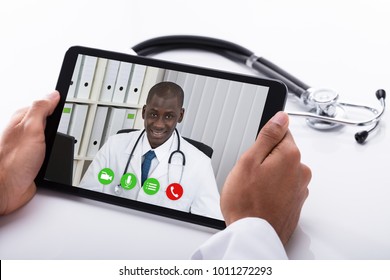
x=162 y=112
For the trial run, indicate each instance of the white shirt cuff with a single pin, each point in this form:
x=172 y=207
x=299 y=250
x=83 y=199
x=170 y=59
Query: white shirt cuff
x=248 y=238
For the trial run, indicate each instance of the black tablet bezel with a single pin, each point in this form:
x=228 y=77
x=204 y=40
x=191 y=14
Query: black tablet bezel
x=275 y=101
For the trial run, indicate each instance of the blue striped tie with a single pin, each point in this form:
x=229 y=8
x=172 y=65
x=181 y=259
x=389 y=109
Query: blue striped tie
x=148 y=157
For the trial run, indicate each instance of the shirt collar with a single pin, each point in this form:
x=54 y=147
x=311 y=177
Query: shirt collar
x=161 y=151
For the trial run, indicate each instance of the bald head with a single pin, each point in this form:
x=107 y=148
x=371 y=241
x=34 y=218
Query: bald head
x=166 y=90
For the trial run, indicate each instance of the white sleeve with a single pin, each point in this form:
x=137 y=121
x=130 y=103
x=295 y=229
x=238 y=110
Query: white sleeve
x=248 y=238
x=90 y=178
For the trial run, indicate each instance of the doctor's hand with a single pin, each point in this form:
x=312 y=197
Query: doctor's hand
x=22 y=151
x=269 y=181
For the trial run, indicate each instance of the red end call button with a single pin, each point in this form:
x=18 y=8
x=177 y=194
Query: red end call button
x=174 y=191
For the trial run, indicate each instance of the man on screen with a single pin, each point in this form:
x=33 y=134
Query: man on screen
x=157 y=165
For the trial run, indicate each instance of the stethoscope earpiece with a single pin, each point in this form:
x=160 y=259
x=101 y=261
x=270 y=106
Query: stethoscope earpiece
x=380 y=93
x=361 y=136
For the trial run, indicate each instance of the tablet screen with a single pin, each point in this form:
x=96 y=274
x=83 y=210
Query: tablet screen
x=153 y=135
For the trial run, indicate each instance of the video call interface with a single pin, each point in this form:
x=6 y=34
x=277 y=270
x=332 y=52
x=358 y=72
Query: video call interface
x=100 y=144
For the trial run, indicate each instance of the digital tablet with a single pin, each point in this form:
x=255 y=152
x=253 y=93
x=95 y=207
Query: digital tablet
x=152 y=135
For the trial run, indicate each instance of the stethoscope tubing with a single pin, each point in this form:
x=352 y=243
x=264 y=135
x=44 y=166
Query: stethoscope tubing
x=132 y=152
x=227 y=49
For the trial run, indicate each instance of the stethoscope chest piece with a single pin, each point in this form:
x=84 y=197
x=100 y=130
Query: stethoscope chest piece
x=118 y=190
x=324 y=102
x=339 y=112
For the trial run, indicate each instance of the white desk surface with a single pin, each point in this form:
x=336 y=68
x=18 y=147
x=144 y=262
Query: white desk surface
x=342 y=45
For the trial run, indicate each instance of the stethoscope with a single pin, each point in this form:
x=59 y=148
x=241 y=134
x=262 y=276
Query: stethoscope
x=118 y=189
x=324 y=110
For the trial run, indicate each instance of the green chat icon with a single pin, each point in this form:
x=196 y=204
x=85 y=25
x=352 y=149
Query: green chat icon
x=151 y=186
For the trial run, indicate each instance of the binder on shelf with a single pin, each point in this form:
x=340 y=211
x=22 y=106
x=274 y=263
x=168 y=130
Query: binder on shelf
x=65 y=118
x=74 y=83
x=135 y=86
x=122 y=82
x=129 y=118
x=77 y=122
x=98 y=79
x=115 y=120
x=95 y=139
x=87 y=73
x=74 y=172
x=109 y=80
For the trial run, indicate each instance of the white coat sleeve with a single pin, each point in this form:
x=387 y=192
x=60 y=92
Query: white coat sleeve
x=248 y=238
x=100 y=161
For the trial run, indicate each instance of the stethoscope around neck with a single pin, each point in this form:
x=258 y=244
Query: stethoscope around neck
x=118 y=189
x=324 y=109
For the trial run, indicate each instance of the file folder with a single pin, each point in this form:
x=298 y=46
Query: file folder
x=137 y=79
x=109 y=80
x=86 y=77
x=122 y=82
x=76 y=126
x=129 y=118
x=116 y=117
x=74 y=83
x=65 y=118
x=98 y=79
x=95 y=139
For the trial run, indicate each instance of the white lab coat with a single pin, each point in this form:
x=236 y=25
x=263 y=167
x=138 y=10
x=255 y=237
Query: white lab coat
x=245 y=239
x=200 y=194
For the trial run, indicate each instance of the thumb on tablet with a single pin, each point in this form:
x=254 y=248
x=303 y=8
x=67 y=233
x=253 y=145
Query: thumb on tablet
x=270 y=135
x=43 y=108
